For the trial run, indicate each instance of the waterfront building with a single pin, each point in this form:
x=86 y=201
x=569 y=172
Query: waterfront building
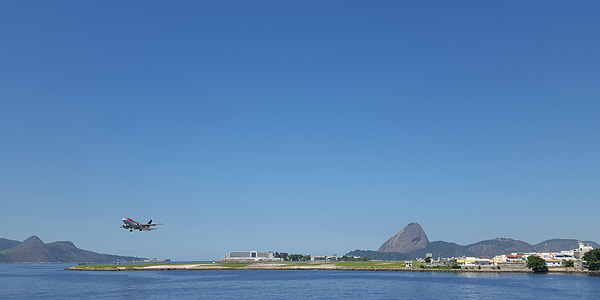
x=473 y=261
x=582 y=250
x=514 y=258
x=553 y=259
x=496 y=260
x=242 y=256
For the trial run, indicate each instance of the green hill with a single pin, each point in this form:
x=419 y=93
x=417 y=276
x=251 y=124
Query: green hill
x=34 y=250
x=7 y=244
x=414 y=238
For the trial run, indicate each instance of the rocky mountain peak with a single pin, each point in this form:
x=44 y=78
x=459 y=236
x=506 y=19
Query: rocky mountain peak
x=30 y=250
x=34 y=250
x=33 y=240
x=410 y=238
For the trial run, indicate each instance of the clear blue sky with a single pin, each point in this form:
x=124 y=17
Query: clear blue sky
x=314 y=127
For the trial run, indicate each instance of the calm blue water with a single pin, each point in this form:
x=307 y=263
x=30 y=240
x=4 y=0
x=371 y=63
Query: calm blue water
x=50 y=281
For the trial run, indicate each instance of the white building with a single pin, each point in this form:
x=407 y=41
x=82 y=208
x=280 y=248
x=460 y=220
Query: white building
x=510 y=258
x=241 y=256
x=553 y=259
x=473 y=261
x=582 y=250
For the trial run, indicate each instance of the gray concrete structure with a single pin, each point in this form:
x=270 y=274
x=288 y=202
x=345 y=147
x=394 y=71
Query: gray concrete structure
x=245 y=256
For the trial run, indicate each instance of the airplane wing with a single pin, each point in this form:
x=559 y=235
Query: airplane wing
x=151 y=224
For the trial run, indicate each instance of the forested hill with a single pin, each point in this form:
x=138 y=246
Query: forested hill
x=412 y=242
x=34 y=250
x=486 y=248
x=7 y=244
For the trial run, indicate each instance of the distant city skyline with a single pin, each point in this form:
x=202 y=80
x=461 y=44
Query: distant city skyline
x=299 y=126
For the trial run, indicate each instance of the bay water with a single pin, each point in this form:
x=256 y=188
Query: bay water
x=51 y=281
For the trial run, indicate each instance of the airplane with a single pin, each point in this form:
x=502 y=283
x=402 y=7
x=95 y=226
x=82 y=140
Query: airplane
x=131 y=225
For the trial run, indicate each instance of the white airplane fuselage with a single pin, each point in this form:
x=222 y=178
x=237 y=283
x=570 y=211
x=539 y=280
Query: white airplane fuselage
x=135 y=225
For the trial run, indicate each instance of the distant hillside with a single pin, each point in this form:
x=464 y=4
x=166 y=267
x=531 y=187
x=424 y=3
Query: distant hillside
x=556 y=245
x=33 y=250
x=30 y=250
x=413 y=237
x=7 y=244
x=443 y=249
x=500 y=246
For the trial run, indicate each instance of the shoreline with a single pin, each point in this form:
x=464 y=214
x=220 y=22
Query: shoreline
x=322 y=267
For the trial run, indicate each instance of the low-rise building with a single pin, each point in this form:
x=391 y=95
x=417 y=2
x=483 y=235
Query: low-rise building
x=553 y=259
x=242 y=256
x=582 y=250
x=473 y=261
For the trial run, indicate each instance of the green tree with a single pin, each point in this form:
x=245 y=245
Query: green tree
x=568 y=264
x=347 y=258
x=537 y=264
x=592 y=258
x=281 y=255
x=593 y=266
x=298 y=257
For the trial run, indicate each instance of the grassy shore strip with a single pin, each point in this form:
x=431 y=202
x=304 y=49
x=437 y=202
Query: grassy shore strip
x=342 y=266
x=351 y=266
x=125 y=267
x=259 y=265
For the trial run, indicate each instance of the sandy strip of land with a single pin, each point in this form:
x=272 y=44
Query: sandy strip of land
x=162 y=267
x=326 y=266
x=260 y=266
